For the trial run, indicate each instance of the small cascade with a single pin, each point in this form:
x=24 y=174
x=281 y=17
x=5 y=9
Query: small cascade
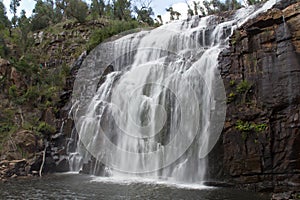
x=285 y=28
x=75 y=159
x=161 y=109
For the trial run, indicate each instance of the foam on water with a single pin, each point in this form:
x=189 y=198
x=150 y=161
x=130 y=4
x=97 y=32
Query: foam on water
x=148 y=181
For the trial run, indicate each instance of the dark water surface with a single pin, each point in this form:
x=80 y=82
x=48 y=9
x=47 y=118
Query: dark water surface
x=74 y=186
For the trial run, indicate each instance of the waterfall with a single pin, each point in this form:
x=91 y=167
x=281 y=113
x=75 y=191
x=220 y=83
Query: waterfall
x=152 y=103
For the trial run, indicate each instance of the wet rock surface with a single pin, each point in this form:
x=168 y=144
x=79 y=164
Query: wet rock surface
x=286 y=196
x=259 y=147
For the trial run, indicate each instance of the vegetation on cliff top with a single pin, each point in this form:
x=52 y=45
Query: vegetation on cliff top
x=39 y=50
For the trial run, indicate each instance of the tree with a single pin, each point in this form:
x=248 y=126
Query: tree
x=177 y=14
x=159 y=20
x=190 y=11
x=207 y=7
x=144 y=15
x=43 y=14
x=216 y=6
x=77 y=9
x=14 y=4
x=4 y=22
x=58 y=15
x=144 y=11
x=172 y=13
x=201 y=8
x=54 y=11
x=97 y=8
x=25 y=27
x=195 y=7
x=109 y=10
x=61 y=4
x=232 y=5
x=143 y=3
x=121 y=9
x=252 y=2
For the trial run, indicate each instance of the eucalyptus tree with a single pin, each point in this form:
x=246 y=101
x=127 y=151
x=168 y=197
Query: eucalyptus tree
x=122 y=9
x=144 y=11
x=24 y=25
x=77 y=9
x=97 y=8
x=14 y=4
x=43 y=14
x=4 y=23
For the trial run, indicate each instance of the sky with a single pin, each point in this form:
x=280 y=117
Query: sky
x=159 y=7
x=27 y=5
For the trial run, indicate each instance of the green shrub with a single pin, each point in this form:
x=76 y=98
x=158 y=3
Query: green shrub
x=12 y=91
x=3 y=79
x=48 y=104
x=6 y=128
x=260 y=127
x=22 y=66
x=51 y=93
x=114 y=28
x=65 y=70
x=77 y=9
x=14 y=95
x=20 y=100
x=245 y=126
x=253 y=2
x=3 y=48
x=22 y=151
x=27 y=67
x=243 y=86
x=45 y=128
x=231 y=97
x=32 y=94
x=232 y=83
x=28 y=126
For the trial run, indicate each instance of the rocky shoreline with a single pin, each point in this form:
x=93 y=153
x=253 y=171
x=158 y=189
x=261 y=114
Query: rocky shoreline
x=17 y=168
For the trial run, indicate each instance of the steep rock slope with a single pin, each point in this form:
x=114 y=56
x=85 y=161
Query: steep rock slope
x=261 y=71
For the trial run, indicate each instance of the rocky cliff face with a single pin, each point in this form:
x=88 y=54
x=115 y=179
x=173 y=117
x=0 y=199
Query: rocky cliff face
x=259 y=147
x=54 y=48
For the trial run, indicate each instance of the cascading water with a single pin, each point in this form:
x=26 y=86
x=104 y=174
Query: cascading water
x=161 y=109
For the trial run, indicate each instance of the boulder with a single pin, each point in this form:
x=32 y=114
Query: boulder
x=63 y=165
